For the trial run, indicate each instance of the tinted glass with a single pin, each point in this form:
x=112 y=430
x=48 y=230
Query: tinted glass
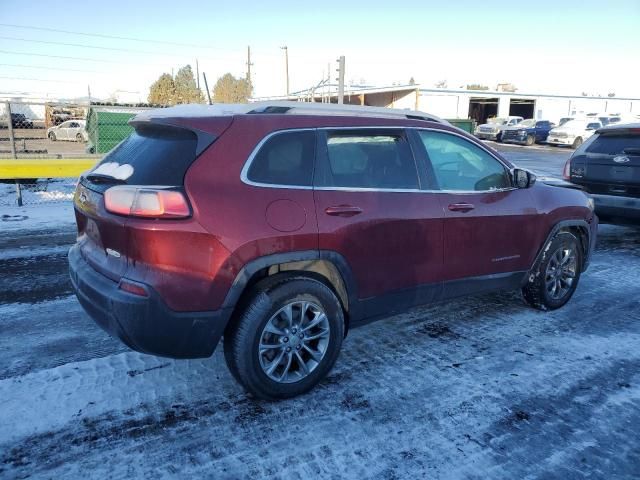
x=158 y=155
x=459 y=165
x=368 y=160
x=285 y=159
x=614 y=144
x=594 y=125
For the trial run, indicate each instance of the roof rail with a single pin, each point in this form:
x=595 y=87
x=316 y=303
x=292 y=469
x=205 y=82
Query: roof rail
x=308 y=108
x=285 y=108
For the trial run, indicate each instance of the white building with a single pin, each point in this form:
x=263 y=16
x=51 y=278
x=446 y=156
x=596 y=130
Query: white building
x=476 y=104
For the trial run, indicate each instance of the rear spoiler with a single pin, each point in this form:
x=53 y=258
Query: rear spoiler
x=619 y=130
x=204 y=139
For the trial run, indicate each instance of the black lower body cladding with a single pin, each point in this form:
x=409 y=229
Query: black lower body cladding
x=144 y=324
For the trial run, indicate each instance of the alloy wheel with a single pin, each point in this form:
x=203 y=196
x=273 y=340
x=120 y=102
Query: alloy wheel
x=561 y=273
x=294 y=342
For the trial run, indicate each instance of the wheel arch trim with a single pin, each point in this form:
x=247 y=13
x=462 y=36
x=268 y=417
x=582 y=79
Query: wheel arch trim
x=339 y=274
x=563 y=224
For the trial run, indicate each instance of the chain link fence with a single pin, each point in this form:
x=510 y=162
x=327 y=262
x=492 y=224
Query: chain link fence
x=49 y=131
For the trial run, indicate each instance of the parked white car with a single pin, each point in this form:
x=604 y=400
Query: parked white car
x=574 y=132
x=71 y=130
x=492 y=130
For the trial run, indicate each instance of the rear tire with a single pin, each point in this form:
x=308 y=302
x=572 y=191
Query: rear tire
x=52 y=137
x=577 y=142
x=79 y=138
x=555 y=278
x=286 y=338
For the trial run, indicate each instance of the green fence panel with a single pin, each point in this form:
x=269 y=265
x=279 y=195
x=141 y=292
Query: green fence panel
x=106 y=129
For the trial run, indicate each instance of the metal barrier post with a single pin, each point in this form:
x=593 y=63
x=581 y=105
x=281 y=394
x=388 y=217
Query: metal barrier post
x=12 y=141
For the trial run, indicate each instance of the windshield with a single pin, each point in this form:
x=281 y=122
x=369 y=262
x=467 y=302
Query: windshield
x=497 y=121
x=527 y=123
x=577 y=124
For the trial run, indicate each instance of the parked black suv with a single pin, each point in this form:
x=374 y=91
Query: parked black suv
x=607 y=166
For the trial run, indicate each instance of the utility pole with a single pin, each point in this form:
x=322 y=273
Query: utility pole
x=340 y=71
x=286 y=65
x=249 y=65
x=206 y=85
x=197 y=74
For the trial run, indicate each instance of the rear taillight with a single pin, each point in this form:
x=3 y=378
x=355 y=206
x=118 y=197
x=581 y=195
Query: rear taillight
x=566 y=173
x=136 y=201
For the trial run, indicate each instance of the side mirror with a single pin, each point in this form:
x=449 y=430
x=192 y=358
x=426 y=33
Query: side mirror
x=523 y=178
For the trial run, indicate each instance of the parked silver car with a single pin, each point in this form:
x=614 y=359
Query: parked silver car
x=71 y=130
x=492 y=130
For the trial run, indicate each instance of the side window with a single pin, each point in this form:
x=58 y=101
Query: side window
x=593 y=126
x=459 y=165
x=285 y=159
x=365 y=159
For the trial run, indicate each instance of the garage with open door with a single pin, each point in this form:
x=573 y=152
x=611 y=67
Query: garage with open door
x=480 y=109
x=522 y=107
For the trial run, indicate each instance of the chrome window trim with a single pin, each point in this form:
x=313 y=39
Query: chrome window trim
x=265 y=139
x=254 y=153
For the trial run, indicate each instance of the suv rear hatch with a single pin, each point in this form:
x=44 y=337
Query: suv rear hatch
x=609 y=163
x=157 y=155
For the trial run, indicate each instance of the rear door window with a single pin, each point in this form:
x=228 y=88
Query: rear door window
x=368 y=159
x=614 y=144
x=286 y=158
x=157 y=155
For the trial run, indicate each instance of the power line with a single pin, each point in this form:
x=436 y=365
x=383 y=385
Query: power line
x=99 y=35
x=37 y=80
x=86 y=59
x=97 y=47
x=50 y=68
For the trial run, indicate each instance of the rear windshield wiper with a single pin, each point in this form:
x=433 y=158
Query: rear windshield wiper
x=101 y=178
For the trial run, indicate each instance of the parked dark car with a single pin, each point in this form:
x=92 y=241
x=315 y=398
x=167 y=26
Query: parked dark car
x=607 y=166
x=18 y=120
x=527 y=132
x=281 y=226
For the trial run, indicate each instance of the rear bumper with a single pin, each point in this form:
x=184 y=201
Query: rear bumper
x=144 y=324
x=612 y=206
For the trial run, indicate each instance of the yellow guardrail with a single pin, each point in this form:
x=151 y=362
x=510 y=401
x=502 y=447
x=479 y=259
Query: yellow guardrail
x=11 y=169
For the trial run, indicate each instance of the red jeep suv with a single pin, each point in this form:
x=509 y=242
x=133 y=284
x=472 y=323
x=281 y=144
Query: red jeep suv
x=280 y=226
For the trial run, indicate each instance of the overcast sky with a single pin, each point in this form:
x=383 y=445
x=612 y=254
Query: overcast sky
x=564 y=47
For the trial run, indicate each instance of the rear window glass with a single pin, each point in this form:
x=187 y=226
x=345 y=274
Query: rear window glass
x=157 y=155
x=614 y=144
x=369 y=161
x=285 y=159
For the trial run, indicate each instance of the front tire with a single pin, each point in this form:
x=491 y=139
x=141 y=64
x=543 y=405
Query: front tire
x=555 y=278
x=52 y=137
x=286 y=338
x=577 y=142
x=530 y=140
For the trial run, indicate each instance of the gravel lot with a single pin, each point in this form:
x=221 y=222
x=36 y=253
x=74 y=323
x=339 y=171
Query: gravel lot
x=482 y=387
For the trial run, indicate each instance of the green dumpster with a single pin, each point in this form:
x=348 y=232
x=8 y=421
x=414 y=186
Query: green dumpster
x=107 y=127
x=466 y=124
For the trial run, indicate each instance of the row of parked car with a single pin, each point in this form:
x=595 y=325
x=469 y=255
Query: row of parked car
x=571 y=131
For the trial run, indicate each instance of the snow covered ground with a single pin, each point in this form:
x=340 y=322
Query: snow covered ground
x=482 y=387
x=51 y=208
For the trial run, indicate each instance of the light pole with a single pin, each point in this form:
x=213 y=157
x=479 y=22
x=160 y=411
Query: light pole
x=286 y=65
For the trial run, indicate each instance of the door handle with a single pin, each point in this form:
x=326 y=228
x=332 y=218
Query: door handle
x=343 y=211
x=461 y=207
